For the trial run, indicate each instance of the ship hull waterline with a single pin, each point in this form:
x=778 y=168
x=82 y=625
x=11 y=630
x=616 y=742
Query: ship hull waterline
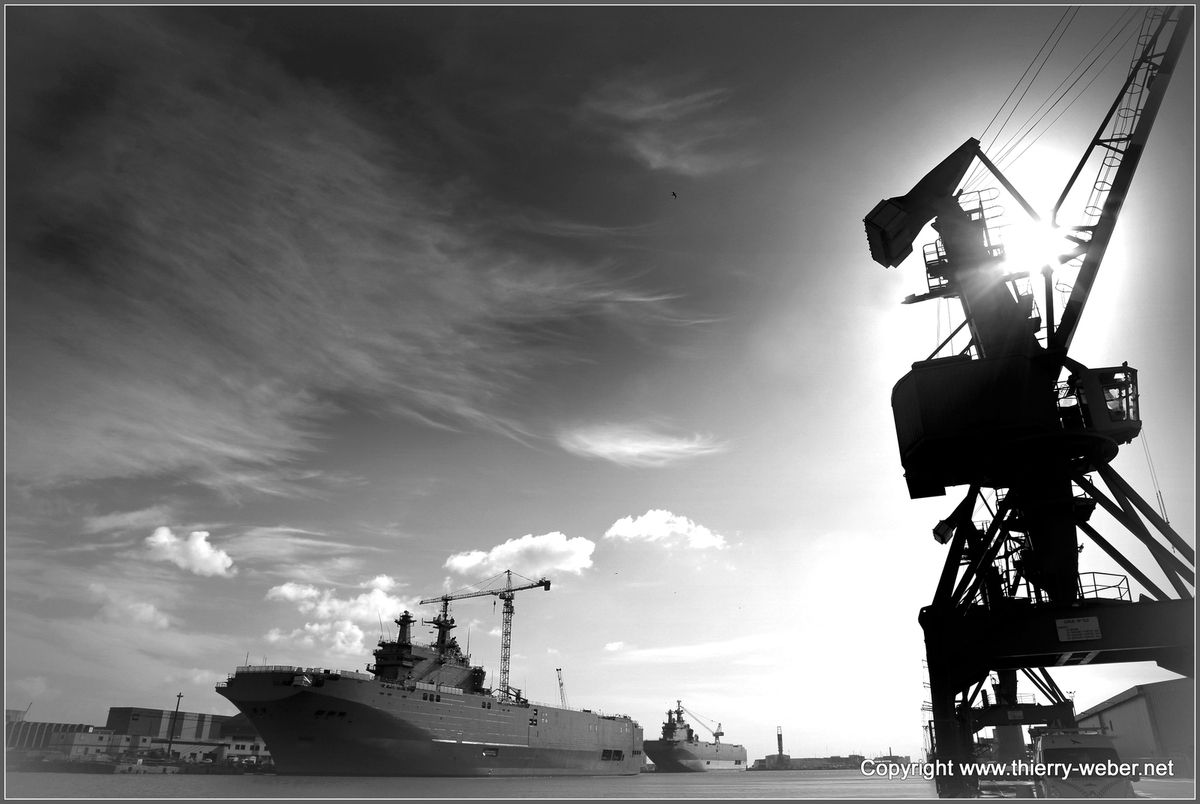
x=363 y=727
x=673 y=757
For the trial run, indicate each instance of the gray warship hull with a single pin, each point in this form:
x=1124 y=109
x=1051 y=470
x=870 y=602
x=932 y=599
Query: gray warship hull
x=319 y=722
x=670 y=756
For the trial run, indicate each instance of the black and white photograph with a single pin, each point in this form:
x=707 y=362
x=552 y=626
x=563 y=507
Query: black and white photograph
x=599 y=401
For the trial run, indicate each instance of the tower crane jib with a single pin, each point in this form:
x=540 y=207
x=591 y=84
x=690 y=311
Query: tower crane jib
x=443 y=622
x=562 y=690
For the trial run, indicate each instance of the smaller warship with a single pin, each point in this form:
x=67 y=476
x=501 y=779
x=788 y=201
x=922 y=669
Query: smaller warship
x=681 y=751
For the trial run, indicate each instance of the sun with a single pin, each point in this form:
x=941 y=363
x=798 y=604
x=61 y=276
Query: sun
x=1031 y=245
x=1040 y=175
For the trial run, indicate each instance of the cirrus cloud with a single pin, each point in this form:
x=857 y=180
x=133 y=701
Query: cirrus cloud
x=210 y=204
x=669 y=126
x=636 y=445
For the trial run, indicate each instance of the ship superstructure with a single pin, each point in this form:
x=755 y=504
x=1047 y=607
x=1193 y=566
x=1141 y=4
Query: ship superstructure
x=681 y=750
x=424 y=711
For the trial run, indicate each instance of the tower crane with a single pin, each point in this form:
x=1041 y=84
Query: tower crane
x=1001 y=416
x=443 y=622
x=562 y=691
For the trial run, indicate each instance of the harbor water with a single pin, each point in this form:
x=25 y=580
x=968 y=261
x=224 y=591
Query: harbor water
x=744 y=785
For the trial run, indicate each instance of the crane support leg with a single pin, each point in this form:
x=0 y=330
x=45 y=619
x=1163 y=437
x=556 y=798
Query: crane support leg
x=950 y=736
x=963 y=646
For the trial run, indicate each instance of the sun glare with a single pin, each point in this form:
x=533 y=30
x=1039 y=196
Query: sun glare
x=1029 y=245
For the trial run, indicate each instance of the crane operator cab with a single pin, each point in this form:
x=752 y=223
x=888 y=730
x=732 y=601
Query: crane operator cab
x=1103 y=401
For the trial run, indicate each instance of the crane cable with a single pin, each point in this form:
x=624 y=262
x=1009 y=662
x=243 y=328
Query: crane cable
x=1045 y=60
x=702 y=720
x=1016 y=138
x=1121 y=24
x=1021 y=80
x=1162 y=507
x=1028 y=145
x=1115 y=51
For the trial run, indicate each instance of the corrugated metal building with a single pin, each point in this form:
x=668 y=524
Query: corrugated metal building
x=1151 y=722
x=32 y=734
x=157 y=723
x=142 y=730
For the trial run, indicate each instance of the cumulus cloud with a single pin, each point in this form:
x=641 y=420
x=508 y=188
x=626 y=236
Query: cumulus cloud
x=635 y=445
x=124 y=607
x=193 y=554
x=657 y=525
x=613 y=646
x=530 y=555
x=341 y=637
x=381 y=582
x=324 y=604
x=336 y=627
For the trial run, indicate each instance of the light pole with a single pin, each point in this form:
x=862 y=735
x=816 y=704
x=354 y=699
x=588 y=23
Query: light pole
x=171 y=734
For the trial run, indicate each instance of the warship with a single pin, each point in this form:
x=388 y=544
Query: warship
x=425 y=711
x=681 y=751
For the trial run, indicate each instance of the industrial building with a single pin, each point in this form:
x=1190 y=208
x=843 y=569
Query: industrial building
x=27 y=735
x=82 y=745
x=137 y=731
x=1151 y=723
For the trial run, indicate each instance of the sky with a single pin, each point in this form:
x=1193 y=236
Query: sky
x=312 y=313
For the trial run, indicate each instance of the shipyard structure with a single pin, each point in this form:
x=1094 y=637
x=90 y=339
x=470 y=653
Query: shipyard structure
x=133 y=734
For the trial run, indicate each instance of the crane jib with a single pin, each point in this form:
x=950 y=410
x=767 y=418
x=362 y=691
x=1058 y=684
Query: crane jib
x=1159 y=69
x=443 y=622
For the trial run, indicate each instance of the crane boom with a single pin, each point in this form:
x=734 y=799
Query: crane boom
x=562 y=690
x=1140 y=99
x=716 y=733
x=506 y=594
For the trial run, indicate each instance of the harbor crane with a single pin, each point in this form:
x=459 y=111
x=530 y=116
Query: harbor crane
x=1015 y=416
x=443 y=622
x=716 y=733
